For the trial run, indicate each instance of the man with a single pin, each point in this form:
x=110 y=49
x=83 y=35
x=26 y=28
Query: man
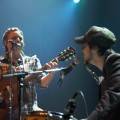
x=15 y=61
x=96 y=46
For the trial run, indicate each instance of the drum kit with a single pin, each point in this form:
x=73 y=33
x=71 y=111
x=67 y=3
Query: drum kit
x=10 y=101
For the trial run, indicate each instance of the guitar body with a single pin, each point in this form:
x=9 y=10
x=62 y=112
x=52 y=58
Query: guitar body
x=9 y=99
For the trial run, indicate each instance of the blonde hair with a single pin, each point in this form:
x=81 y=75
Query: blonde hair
x=5 y=34
x=11 y=29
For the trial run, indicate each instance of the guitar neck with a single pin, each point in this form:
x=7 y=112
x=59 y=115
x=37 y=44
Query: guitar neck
x=44 y=67
x=64 y=55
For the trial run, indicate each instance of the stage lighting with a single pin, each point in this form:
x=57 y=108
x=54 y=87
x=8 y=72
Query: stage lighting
x=76 y=1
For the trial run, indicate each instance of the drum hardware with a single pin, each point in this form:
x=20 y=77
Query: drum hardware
x=46 y=115
x=52 y=115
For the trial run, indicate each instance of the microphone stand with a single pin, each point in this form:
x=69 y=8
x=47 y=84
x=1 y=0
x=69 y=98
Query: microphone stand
x=10 y=89
x=20 y=91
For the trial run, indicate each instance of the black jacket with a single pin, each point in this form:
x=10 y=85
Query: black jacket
x=108 y=108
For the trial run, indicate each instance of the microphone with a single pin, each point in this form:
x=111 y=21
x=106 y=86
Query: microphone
x=72 y=103
x=68 y=69
x=73 y=99
x=14 y=43
x=71 y=106
x=75 y=95
x=64 y=71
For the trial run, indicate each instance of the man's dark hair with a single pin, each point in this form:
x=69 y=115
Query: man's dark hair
x=100 y=49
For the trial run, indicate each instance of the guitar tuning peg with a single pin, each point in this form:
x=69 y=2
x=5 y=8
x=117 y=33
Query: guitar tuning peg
x=64 y=50
x=74 y=56
x=71 y=53
x=61 y=53
x=70 y=58
x=66 y=59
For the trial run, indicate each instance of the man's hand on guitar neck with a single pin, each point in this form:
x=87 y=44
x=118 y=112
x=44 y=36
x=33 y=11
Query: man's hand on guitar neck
x=45 y=80
x=50 y=65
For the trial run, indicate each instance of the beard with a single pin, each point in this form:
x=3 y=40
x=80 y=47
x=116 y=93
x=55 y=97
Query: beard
x=15 y=53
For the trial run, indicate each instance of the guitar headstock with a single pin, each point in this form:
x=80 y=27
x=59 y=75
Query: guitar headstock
x=66 y=54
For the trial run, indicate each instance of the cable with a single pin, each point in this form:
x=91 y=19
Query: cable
x=85 y=103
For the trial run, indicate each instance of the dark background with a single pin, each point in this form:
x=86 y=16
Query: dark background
x=50 y=26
